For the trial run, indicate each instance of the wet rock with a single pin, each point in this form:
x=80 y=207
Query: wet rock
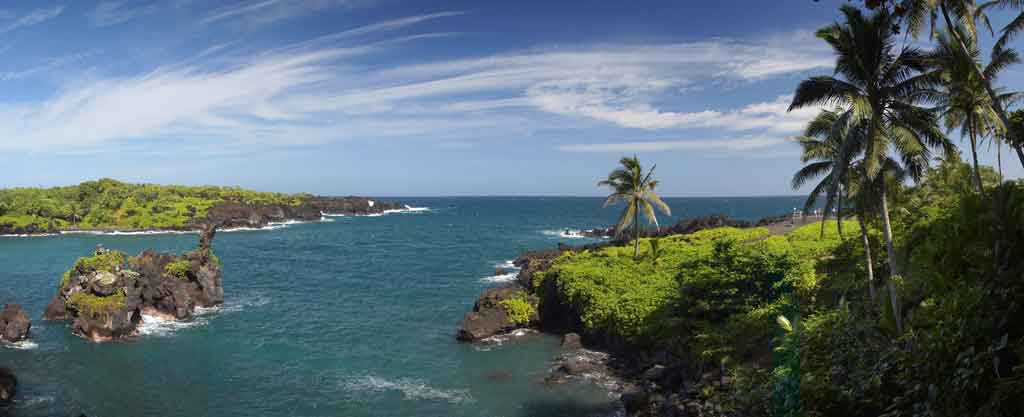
x=654 y=373
x=571 y=341
x=8 y=385
x=14 y=324
x=577 y=366
x=489 y=317
x=56 y=309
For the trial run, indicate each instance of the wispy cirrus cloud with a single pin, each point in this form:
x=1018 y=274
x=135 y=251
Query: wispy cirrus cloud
x=329 y=88
x=268 y=11
x=109 y=13
x=32 y=18
x=720 y=144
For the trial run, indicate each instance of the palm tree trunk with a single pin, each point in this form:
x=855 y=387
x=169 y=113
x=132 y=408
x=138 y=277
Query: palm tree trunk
x=974 y=155
x=636 y=229
x=890 y=249
x=1012 y=136
x=999 y=159
x=839 y=212
x=867 y=254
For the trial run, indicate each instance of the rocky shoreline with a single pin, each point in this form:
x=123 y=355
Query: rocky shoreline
x=238 y=215
x=647 y=383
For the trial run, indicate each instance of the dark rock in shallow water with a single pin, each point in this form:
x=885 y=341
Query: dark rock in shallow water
x=571 y=341
x=106 y=300
x=14 y=324
x=8 y=385
x=489 y=317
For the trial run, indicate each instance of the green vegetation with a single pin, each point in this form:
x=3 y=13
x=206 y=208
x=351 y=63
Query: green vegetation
x=107 y=203
x=96 y=306
x=631 y=185
x=108 y=260
x=178 y=269
x=519 y=310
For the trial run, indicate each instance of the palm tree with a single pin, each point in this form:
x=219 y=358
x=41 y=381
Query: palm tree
x=630 y=184
x=882 y=87
x=822 y=145
x=965 y=12
x=964 y=103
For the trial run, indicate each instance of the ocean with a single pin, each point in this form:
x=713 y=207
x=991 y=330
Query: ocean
x=352 y=316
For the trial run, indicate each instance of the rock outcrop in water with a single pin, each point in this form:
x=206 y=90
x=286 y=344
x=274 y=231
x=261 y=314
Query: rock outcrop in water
x=106 y=295
x=14 y=324
x=8 y=385
x=491 y=315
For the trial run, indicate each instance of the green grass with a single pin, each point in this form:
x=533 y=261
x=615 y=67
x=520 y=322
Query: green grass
x=96 y=306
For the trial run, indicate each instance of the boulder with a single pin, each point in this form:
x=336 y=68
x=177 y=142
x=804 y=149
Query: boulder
x=489 y=317
x=654 y=373
x=571 y=341
x=56 y=309
x=14 y=324
x=8 y=385
x=577 y=366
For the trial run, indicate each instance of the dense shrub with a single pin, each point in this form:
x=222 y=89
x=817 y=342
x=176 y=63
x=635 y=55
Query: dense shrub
x=178 y=269
x=519 y=310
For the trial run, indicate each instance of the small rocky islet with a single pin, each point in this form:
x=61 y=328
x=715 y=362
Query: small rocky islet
x=105 y=295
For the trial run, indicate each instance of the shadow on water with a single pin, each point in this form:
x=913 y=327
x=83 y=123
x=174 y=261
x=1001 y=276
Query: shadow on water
x=570 y=408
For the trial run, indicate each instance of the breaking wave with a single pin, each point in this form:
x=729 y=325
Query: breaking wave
x=22 y=345
x=411 y=389
x=570 y=234
x=160 y=327
x=509 y=273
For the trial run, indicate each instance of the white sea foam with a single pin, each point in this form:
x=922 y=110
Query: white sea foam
x=488 y=343
x=511 y=271
x=411 y=389
x=159 y=327
x=571 y=234
x=28 y=235
x=33 y=401
x=22 y=345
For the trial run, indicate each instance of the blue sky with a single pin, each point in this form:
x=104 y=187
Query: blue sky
x=395 y=97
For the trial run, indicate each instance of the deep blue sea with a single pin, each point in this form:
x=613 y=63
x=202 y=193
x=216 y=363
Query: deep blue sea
x=351 y=317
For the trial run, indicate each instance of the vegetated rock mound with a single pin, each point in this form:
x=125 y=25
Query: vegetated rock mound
x=14 y=324
x=497 y=311
x=8 y=386
x=105 y=295
x=233 y=214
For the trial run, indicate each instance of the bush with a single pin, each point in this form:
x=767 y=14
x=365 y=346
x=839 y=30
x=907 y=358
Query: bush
x=178 y=269
x=519 y=310
x=95 y=306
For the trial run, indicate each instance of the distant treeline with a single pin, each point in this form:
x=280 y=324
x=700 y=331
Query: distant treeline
x=109 y=203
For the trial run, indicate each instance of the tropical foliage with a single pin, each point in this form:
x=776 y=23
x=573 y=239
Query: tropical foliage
x=107 y=203
x=630 y=184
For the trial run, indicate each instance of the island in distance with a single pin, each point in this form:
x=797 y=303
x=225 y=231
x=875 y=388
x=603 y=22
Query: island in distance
x=108 y=205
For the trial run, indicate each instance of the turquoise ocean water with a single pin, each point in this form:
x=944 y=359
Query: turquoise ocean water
x=355 y=316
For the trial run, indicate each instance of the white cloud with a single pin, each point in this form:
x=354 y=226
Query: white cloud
x=743 y=144
x=269 y=11
x=322 y=90
x=34 y=17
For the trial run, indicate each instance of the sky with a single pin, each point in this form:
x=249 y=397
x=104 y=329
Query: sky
x=412 y=98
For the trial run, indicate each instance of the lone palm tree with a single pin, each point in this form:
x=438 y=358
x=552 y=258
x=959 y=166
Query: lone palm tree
x=630 y=184
x=882 y=87
x=822 y=145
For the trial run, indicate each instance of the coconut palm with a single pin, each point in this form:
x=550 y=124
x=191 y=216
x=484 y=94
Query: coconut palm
x=964 y=103
x=882 y=87
x=631 y=185
x=965 y=13
x=822 y=145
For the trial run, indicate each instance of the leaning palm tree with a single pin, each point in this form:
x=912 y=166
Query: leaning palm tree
x=882 y=87
x=964 y=103
x=822 y=145
x=631 y=185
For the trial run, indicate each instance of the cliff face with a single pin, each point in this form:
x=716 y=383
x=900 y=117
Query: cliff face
x=105 y=297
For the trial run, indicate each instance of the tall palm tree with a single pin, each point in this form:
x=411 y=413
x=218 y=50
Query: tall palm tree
x=631 y=185
x=954 y=13
x=964 y=102
x=822 y=145
x=882 y=87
